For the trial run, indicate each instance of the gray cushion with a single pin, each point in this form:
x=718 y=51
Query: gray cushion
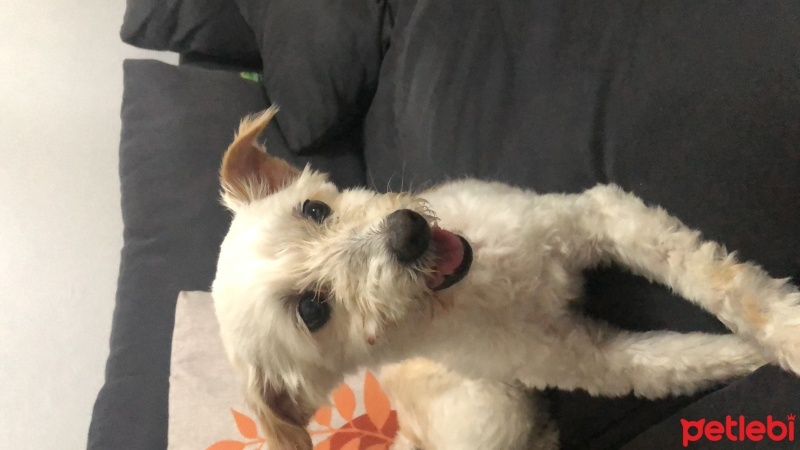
x=210 y=27
x=176 y=124
x=321 y=62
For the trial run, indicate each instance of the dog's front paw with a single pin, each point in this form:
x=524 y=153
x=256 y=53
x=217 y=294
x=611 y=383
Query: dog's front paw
x=781 y=332
x=787 y=348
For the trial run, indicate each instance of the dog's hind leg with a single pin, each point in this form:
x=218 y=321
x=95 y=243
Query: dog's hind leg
x=607 y=361
x=617 y=226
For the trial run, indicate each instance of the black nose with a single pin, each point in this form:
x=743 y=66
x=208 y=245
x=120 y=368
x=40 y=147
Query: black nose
x=409 y=235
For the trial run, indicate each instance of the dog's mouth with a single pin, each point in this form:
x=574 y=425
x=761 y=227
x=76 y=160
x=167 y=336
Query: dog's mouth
x=453 y=258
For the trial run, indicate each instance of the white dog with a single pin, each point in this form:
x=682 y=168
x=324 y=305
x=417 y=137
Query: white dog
x=313 y=283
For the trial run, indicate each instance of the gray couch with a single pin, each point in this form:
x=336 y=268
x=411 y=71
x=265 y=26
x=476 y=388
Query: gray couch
x=694 y=106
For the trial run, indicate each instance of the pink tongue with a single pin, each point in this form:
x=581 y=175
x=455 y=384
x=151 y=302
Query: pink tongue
x=449 y=249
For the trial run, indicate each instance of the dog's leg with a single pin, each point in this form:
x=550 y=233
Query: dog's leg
x=439 y=409
x=607 y=361
x=618 y=226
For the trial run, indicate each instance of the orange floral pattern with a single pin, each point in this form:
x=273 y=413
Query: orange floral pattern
x=374 y=430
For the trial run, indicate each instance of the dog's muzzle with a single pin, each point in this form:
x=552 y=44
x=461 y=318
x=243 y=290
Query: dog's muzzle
x=410 y=237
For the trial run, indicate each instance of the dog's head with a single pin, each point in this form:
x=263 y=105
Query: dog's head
x=311 y=281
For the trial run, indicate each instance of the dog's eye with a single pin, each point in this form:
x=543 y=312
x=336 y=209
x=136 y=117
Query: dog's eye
x=316 y=211
x=314 y=310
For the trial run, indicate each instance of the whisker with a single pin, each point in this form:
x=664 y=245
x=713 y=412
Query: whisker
x=372 y=180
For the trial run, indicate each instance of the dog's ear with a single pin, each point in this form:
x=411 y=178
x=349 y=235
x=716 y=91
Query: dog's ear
x=282 y=418
x=248 y=173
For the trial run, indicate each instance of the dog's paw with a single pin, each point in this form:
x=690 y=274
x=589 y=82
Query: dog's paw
x=781 y=332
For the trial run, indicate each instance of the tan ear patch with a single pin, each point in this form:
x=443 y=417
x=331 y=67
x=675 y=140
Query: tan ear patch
x=283 y=418
x=248 y=173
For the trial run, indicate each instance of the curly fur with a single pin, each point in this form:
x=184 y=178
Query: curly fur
x=508 y=321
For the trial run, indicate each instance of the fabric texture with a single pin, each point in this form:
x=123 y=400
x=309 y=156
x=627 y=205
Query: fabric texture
x=321 y=63
x=203 y=386
x=209 y=27
x=176 y=124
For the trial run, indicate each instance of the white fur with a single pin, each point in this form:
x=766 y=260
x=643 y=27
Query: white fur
x=440 y=410
x=508 y=321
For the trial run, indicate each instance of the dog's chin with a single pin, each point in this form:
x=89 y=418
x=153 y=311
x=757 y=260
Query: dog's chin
x=453 y=259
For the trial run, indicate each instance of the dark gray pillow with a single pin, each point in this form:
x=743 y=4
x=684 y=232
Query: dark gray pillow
x=176 y=124
x=321 y=62
x=209 y=27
